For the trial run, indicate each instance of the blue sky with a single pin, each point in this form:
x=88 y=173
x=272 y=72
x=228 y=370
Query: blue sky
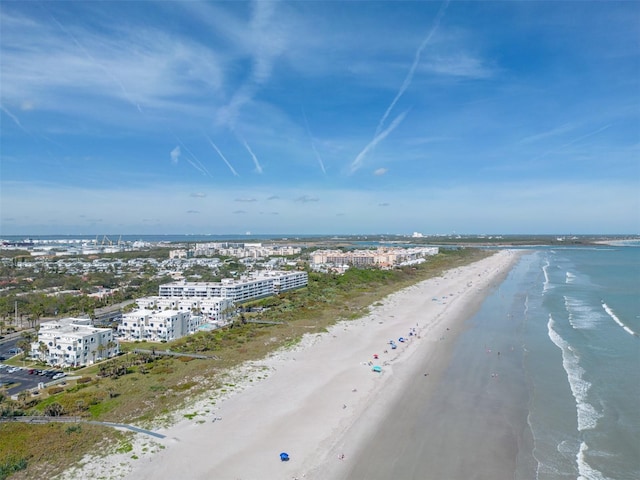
x=319 y=117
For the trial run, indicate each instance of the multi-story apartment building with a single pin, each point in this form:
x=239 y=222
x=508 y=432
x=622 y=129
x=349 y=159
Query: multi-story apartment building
x=247 y=288
x=73 y=342
x=382 y=257
x=157 y=326
x=214 y=309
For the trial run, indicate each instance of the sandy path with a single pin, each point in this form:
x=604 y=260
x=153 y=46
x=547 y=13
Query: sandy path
x=321 y=399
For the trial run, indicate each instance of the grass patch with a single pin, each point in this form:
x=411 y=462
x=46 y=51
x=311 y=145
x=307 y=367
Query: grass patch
x=124 y=447
x=46 y=450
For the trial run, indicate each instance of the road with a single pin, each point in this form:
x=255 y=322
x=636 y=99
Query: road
x=7 y=344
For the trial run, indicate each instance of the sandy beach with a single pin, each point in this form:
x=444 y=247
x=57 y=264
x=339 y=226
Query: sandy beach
x=320 y=401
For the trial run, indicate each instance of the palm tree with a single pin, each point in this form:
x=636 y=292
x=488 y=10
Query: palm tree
x=101 y=349
x=44 y=350
x=25 y=346
x=110 y=346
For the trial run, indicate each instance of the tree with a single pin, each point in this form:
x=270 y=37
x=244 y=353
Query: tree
x=25 y=345
x=44 y=350
x=110 y=346
x=54 y=409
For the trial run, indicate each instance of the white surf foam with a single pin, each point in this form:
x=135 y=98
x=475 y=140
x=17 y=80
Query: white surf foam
x=545 y=270
x=569 y=277
x=585 y=471
x=587 y=414
x=617 y=320
x=581 y=315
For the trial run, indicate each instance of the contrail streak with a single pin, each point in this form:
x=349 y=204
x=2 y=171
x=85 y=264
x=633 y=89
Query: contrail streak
x=222 y=156
x=195 y=163
x=313 y=146
x=414 y=65
x=13 y=117
x=255 y=159
x=595 y=132
x=575 y=140
x=355 y=165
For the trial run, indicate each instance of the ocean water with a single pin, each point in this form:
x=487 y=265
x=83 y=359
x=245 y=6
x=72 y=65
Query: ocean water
x=580 y=326
x=543 y=383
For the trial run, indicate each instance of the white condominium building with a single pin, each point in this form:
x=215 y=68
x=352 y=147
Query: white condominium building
x=73 y=342
x=215 y=309
x=156 y=326
x=260 y=285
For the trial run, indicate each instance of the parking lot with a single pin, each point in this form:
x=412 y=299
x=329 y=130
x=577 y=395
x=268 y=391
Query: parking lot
x=18 y=379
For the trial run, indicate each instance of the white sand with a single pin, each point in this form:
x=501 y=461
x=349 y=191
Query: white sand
x=317 y=401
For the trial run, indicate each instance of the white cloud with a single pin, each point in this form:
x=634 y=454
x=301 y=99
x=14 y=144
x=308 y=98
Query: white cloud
x=380 y=171
x=307 y=199
x=143 y=67
x=459 y=65
x=175 y=155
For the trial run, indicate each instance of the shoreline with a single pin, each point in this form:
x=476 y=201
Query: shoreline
x=320 y=400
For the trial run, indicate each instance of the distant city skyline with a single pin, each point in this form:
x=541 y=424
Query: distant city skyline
x=319 y=117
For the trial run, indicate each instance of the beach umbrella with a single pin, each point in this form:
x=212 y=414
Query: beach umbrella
x=393 y=346
x=377 y=369
x=375 y=355
x=401 y=339
x=284 y=456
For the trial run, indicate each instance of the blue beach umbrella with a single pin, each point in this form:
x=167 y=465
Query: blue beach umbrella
x=377 y=369
x=284 y=457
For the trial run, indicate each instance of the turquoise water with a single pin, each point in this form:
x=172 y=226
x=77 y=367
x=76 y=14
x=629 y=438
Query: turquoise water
x=580 y=311
x=543 y=384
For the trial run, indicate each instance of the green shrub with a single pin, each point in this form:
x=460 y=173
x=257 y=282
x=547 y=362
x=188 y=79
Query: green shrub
x=12 y=465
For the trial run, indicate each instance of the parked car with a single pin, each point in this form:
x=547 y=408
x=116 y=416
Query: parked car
x=59 y=375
